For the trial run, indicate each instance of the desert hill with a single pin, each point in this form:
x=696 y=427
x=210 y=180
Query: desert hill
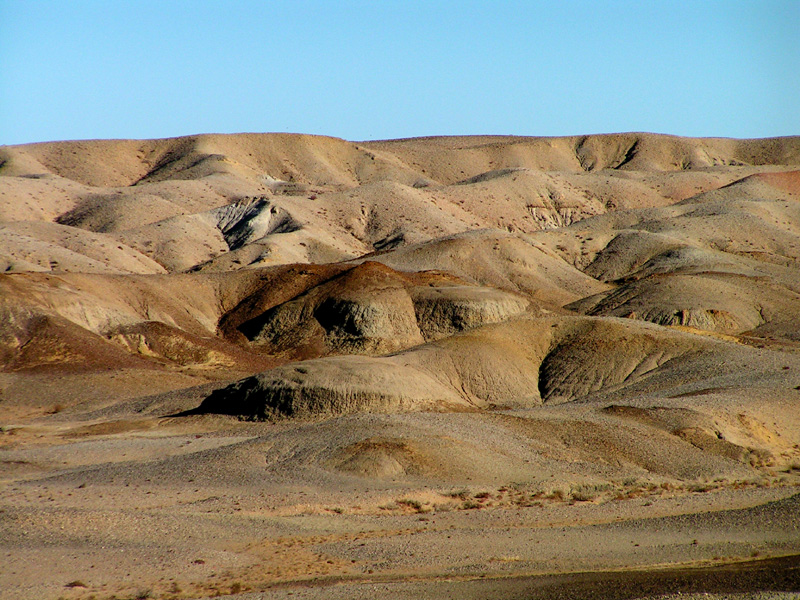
x=518 y=364
x=314 y=199
x=273 y=343
x=212 y=256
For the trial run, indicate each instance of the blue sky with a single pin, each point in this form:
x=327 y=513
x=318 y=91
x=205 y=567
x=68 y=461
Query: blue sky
x=374 y=70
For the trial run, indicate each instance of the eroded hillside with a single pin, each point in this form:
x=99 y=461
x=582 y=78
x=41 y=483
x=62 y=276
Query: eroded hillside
x=555 y=320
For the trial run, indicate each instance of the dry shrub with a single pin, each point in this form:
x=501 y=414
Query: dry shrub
x=415 y=505
x=461 y=494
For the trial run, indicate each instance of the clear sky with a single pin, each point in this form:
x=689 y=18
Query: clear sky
x=76 y=69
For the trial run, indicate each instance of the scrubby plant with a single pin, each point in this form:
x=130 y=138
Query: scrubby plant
x=411 y=503
x=461 y=494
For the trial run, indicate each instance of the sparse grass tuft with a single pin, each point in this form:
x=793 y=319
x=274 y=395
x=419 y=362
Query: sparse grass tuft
x=583 y=495
x=701 y=487
x=412 y=504
x=461 y=494
x=588 y=493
